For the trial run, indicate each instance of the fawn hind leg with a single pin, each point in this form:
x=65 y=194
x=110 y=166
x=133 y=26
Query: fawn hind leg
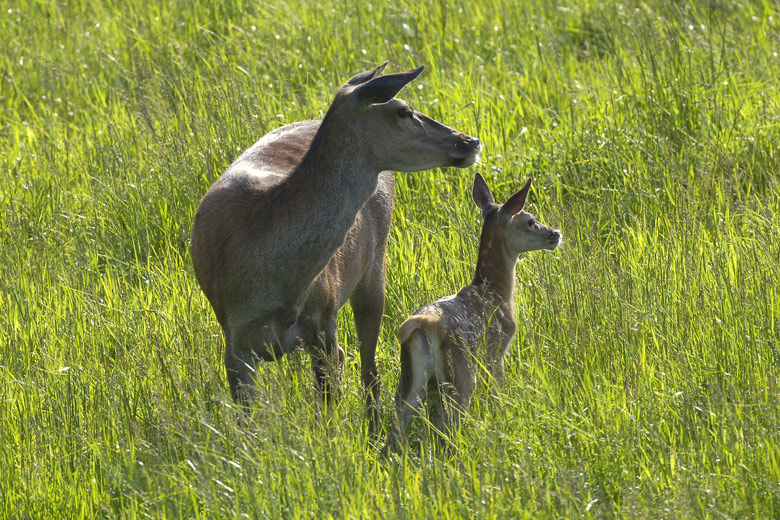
x=415 y=373
x=459 y=378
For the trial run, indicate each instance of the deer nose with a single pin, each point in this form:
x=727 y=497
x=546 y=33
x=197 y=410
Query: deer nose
x=468 y=145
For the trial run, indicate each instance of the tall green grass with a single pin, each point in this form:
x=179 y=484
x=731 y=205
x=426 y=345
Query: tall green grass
x=643 y=381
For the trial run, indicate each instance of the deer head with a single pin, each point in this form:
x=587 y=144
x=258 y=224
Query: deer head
x=518 y=230
x=391 y=134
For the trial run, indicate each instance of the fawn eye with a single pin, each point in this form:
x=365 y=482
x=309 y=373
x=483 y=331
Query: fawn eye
x=405 y=113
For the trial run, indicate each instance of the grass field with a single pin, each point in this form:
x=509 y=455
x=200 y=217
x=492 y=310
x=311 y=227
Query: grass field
x=644 y=381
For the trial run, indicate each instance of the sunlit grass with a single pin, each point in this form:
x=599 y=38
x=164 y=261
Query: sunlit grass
x=644 y=378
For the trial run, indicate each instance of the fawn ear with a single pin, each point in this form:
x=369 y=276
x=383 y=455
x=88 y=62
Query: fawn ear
x=382 y=89
x=516 y=202
x=362 y=77
x=483 y=198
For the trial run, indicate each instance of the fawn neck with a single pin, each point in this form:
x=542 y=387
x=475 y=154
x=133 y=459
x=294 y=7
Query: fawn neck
x=495 y=267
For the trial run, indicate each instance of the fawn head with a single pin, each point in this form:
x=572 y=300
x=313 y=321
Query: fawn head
x=519 y=230
x=392 y=134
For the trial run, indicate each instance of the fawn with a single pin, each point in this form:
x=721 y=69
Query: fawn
x=441 y=341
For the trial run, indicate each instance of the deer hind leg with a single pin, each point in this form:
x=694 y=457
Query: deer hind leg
x=246 y=343
x=327 y=359
x=240 y=369
x=415 y=372
x=368 y=306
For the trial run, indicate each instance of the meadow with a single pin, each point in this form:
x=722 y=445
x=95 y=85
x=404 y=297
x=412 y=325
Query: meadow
x=643 y=382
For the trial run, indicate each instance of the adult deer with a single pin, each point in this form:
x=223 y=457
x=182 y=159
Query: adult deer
x=298 y=225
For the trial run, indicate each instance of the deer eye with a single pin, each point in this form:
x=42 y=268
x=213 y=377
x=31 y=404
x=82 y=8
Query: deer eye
x=531 y=223
x=405 y=113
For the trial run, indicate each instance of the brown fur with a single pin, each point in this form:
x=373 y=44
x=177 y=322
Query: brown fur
x=298 y=224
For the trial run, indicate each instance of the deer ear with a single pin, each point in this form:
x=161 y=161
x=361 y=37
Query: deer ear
x=516 y=202
x=362 y=77
x=483 y=198
x=384 y=88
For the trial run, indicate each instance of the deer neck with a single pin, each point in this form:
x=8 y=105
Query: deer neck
x=334 y=178
x=321 y=198
x=495 y=272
